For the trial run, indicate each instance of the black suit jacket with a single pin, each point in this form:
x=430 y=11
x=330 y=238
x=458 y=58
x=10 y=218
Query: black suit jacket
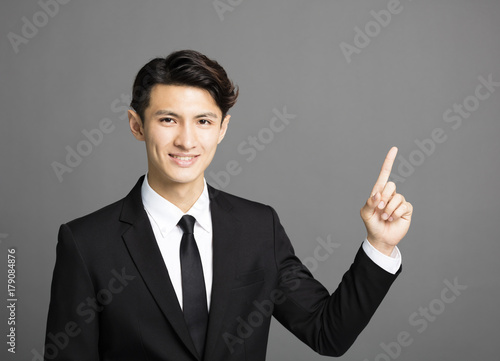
x=112 y=299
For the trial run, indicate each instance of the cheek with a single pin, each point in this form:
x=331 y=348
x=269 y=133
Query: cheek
x=210 y=141
x=157 y=139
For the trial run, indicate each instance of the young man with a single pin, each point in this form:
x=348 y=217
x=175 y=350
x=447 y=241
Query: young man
x=179 y=271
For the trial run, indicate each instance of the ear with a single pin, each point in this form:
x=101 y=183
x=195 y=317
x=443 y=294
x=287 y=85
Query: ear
x=135 y=123
x=223 y=128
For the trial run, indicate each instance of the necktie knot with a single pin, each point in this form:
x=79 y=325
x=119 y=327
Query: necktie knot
x=187 y=223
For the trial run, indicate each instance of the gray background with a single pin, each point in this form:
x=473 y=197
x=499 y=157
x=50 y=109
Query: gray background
x=317 y=172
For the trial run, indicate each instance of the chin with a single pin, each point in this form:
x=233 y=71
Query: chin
x=182 y=179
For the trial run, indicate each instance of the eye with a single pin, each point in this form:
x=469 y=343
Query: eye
x=205 y=122
x=166 y=120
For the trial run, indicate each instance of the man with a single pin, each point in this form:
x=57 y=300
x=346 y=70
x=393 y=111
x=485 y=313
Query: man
x=178 y=270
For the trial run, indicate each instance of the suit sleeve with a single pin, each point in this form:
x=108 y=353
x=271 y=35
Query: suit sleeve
x=328 y=323
x=72 y=326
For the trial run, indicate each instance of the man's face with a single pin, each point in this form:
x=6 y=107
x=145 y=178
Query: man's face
x=182 y=128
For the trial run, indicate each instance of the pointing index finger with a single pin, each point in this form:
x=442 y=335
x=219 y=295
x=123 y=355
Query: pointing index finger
x=385 y=171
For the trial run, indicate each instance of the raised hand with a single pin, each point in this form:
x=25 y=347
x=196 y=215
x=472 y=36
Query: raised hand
x=386 y=214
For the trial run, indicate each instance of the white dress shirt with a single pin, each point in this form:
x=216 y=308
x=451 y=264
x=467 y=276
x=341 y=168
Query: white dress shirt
x=164 y=217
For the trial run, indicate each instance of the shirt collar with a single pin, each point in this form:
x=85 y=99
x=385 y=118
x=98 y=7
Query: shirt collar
x=166 y=215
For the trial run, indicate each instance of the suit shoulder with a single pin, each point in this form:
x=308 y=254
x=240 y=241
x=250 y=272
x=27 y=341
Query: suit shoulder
x=101 y=217
x=239 y=203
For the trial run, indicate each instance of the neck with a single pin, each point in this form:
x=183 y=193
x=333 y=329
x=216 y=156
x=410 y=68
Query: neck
x=182 y=195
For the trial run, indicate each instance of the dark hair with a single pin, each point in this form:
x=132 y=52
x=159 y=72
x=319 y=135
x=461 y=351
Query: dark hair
x=184 y=67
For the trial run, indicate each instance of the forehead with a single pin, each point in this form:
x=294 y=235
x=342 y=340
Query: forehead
x=182 y=99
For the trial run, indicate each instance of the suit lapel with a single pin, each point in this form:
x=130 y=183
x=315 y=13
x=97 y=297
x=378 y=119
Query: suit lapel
x=225 y=231
x=143 y=248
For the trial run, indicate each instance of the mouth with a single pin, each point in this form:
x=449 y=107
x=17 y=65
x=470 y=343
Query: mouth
x=183 y=160
x=183 y=157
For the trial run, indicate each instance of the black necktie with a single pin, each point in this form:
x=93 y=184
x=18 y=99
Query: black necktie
x=194 y=295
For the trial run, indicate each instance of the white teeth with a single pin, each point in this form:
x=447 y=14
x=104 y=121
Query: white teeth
x=182 y=158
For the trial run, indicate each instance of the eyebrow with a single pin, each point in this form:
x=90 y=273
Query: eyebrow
x=163 y=112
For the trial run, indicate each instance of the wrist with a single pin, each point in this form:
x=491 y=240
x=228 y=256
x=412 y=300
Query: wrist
x=382 y=247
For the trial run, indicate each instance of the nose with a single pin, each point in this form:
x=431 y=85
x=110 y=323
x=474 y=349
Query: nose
x=186 y=136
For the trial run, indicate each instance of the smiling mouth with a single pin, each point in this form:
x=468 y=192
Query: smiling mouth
x=182 y=157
